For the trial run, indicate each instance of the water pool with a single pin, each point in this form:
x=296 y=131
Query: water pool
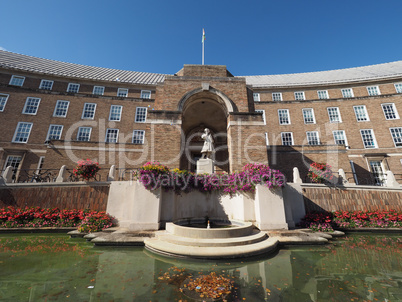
x=40 y=267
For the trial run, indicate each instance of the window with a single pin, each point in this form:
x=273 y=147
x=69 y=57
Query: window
x=141 y=114
x=46 y=85
x=322 y=94
x=84 y=134
x=138 y=137
x=122 y=92
x=312 y=138
x=287 y=138
x=263 y=115
x=378 y=171
x=73 y=88
x=13 y=161
x=54 y=132
x=17 y=80
x=61 y=108
x=299 y=96
x=22 y=132
x=89 y=111
x=368 y=138
x=31 y=106
x=256 y=97
x=340 y=137
x=98 y=90
x=145 y=94
x=266 y=139
x=396 y=134
x=398 y=87
x=334 y=115
x=115 y=113
x=3 y=101
x=361 y=113
x=277 y=96
x=347 y=93
x=40 y=164
x=390 y=111
x=112 y=135
x=284 y=118
x=308 y=116
x=373 y=90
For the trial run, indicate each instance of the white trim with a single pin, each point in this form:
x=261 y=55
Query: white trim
x=68 y=87
x=98 y=87
x=365 y=111
x=398 y=90
x=83 y=111
x=120 y=89
x=26 y=103
x=16 y=129
x=344 y=135
x=279 y=117
x=117 y=135
x=373 y=136
x=339 y=114
x=377 y=89
x=312 y=112
x=111 y=149
x=346 y=91
x=55 y=109
x=89 y=135
x=256 y=96
x=48 y=132
x=324 y=92
x=302 y=95
x=136 y=113
x=16 y=77
x=5 y=163
x=5 y=103
x=263 y=115
x=317 y=136
x=41 y=83
x=266 y=139
x=393 y=137
x=291 y=136
x=110 y=113
x=143 y=137
x=395 y=111
x=40 y=163
x=146 y=91
x=278 y=94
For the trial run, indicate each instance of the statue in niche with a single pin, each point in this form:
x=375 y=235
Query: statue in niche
x=208 y=147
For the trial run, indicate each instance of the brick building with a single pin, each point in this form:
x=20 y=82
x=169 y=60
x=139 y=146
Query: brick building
x=54 y=113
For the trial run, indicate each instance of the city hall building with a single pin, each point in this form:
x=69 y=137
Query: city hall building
x=54 y=113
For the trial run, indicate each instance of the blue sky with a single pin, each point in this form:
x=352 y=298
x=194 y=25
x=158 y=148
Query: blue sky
x=260 y=37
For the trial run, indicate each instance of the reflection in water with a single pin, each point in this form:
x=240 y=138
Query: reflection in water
x=55 y=268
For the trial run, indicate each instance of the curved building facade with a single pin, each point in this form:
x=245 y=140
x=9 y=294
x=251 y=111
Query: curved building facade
x=54 y=113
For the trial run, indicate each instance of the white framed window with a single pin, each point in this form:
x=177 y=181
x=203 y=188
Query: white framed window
x=263 y=115
x=40 y=164
x=145 y=94
x=398 y=87
x=334 y=115
x=287 y=138
x=61 y=108
x=31 y=106
x=115 y=113
x=313 y=138
x=347 y=93
x=46 y=85
x=73 y=87
x=13 y=161
x=284 y=118
x=277 y=96
x=138 y=137
x=340 y=137
x=299 y=96
x=22 y=132
x=390 y=111
x=88 y=113
x=361 y=113
x=141 y=114
x=308 y=115
x=17 y=80
x=84 y=134
x=396 y=134
x=3 y=101
x=368 y=138
x=112 y=135
x=323 y=94
x=98 y=90
x=266 y=139
x=373 y=90
x=256 y=97
x=54 y=132
x=122 y=92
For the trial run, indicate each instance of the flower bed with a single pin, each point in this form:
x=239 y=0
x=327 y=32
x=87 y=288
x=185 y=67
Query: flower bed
x=154 y=175
x=86 y=169
x=36 y=217
x=320 y=172
x=328 y=221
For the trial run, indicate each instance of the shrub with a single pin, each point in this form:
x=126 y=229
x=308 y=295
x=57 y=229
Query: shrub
x=86 y=169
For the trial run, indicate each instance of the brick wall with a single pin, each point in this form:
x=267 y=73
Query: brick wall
x=321 y=198
x=77 y=196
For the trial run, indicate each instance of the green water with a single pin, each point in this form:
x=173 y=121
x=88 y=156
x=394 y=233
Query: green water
x=55 y=268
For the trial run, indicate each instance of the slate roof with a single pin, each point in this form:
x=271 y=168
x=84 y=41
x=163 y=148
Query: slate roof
x=45 y=66
x=365 y=73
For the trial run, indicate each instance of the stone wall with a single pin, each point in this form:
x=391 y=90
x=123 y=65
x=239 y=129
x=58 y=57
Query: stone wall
x=66 y=196
x=323 y=198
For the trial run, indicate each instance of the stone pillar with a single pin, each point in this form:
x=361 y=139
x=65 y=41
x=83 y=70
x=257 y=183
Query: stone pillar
x=8 y=174
x=62 y=174
x=205 y=165
x=391 y=180
x=110 y=176
x=342 y=177
x=296 y=176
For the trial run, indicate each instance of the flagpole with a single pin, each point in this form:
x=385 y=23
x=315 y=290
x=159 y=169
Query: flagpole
x=203 y=43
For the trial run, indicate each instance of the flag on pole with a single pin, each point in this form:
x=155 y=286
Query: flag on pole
x=203 y=36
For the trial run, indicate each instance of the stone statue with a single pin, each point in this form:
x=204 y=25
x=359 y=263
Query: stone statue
x=208 y=147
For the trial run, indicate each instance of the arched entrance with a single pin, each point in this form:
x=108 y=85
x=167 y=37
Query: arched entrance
x=200 y=110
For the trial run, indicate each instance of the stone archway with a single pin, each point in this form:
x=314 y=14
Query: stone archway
x=202 y=110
